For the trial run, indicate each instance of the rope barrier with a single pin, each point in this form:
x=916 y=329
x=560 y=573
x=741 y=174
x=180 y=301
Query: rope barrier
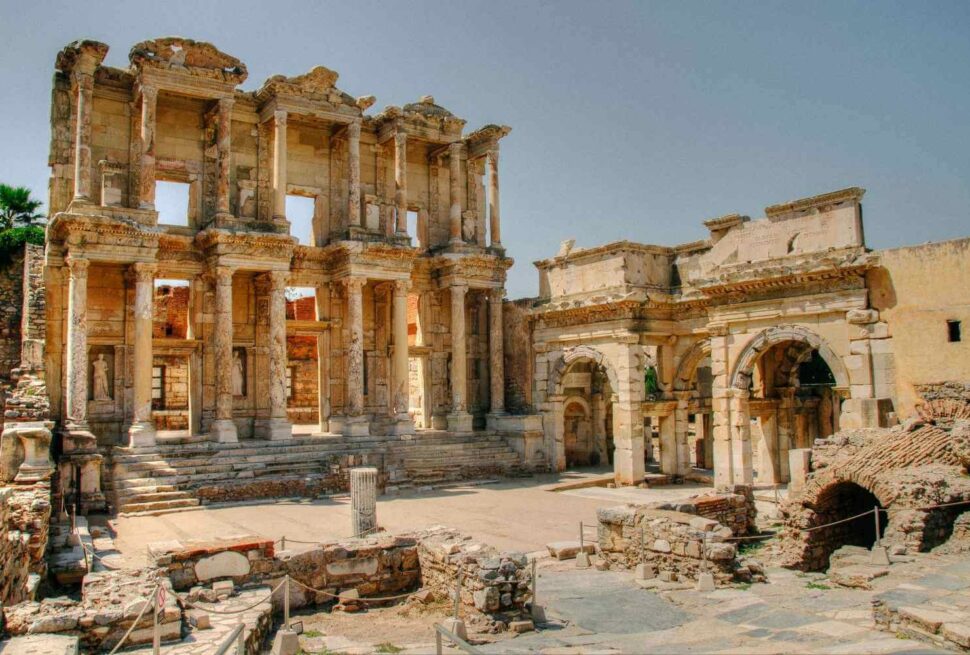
x=378 y=599
x=203 y=606
x=148 y=604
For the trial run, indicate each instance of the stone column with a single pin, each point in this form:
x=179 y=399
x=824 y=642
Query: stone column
x=223 y=428
x=705 y=422
x=279 y=165
x=353 y=156
x=721 y=407
x=629 y=456
x=768 y=464
x=668 y=445
x=355 y=422
x=146 y=185
x=454 y=186
x=401 y=181
x=400 y=398
x=495 y=226
x=786 y=429
x=82 y=139
x=496 y=351
x=142 y=430
x=363 y=500
x=223 y=144
x=459 y=420
x=278 y=426
x=77 y=344
x=323 y=359
x=681 y=426
x=740 y=426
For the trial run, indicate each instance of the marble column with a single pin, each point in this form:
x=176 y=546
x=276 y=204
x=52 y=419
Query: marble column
x=82 y=139
x=454 y=188
x=495 y=225
x=279 y=165
x=278 y=426
x=323 y=359
x=681 y=426
x=786 y=430
x=400 y=398
x=223 y=428
x=355 y=422
x=224 y=146
x=353 y=156
x=146 y=185
x=401 y=181
x=496 y=352
x=459 y=420
x=142 y=430
x=77 y=344
x=740 y=426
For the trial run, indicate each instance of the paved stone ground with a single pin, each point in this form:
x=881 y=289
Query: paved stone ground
x=492 y=513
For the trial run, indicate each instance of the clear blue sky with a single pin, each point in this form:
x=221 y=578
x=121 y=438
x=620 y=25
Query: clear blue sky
x=630 y=120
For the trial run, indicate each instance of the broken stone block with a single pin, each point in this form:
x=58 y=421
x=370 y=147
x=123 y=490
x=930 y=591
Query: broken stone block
x=857 y=576
x=198 y=619
x=519 y=627
x=661 y=546
x=958 y=633
x=568 y=549
x=486 y=600
x=223 y=589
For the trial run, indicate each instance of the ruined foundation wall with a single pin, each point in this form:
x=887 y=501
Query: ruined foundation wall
x=24 y=524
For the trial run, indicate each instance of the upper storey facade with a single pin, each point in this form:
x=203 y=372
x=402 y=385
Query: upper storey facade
x=176 y=115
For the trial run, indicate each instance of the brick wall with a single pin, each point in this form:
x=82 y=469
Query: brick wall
x=171 y=312
x=11 y=311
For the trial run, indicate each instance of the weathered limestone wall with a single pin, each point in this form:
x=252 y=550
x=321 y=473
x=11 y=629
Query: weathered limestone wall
x=517 y=335
x=916 y=290
x=24 y=526
x=11 y=312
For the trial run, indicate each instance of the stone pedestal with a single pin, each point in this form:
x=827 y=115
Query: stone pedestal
x=363 y=500
x=460 y=422
x=25 y=452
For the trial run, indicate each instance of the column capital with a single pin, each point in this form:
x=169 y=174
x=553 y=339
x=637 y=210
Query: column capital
x=458 y=288
x=226 y=104
x=354 y=284
x=280 y=117
x=496 y=296
x=147 y=92
x=492 y=154
x=275 y=280
x=143 y=271
x=222 y=275
x=353 y=128
x=401 y=287
x=400 y=137
x=78 y=266
x=683 y=396
x=454 y=149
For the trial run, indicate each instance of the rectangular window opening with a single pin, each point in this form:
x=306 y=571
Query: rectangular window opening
x=171 y=309
x=413 y=227
x=301 y=304
x=953 y=331
x=299 y=212
x=158 y=387
x=290 y=374
x=172 y=202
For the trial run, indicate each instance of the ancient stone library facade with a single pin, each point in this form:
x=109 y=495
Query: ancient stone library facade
x=387 y=327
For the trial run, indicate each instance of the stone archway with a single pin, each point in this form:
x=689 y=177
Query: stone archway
x=597 y=402
x=764 y=341
x=687 y=367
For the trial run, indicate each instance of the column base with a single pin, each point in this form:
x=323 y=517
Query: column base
x=223 y=430
x=493 y=420
x=273 y=429
x=402 y=425
x=439 y=422
x=356 y=426
x=141 y=434
x=460 y=422
x=324 y=426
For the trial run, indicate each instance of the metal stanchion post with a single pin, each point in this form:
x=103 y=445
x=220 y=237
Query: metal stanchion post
x=455 y=625
x=438 y=646
x=156 y=629
x=879 y=555
x=705 y=579
x=538 y=614
x=283 y=542
x=643 y=571
x=286 y=642
x=582 y=559
x=286 y=602
x=241 y=641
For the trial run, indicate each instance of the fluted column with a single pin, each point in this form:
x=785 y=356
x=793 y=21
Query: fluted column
x=355 y=422
x=82 y=139
x=279 y=165
x=77 y=344
x=401 y=181
x=400 y=399
x=146 y=186
x=323 y=359
x=224 y=146
x=496 y=352
x=353 y=155
x=459 y=420
x=223 y=428
x=142 y=430
x=495 y=224
x=454 y=189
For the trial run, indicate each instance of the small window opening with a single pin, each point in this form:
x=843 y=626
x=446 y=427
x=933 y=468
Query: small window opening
x=953 y=331
x=172 y=203
x=413 y=227
x=158 y=387
x=299 y=212
x=291 y=373
x=301 y=304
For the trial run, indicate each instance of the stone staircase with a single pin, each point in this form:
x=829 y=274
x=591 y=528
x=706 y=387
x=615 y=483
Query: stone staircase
x=174 y=476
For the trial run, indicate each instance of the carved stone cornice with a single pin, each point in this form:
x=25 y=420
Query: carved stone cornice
x=216 y=242
x=187 y=57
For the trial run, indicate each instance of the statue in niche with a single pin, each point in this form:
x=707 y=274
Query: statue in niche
x=238 y=379
x=101 y=389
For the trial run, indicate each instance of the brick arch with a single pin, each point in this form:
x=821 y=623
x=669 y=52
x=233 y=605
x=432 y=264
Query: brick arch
x=576 y=354
x=687 y=367
x=765 y=340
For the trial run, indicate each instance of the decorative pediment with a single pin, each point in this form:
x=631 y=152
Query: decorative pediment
x=318 y=85
x=85 y=51
x=196 y=58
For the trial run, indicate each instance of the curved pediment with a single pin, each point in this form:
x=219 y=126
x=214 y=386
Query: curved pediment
x=185 y=55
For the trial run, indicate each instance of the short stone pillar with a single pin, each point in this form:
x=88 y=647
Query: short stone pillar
x=363 y=500
x=25 y=452
x=799 y=464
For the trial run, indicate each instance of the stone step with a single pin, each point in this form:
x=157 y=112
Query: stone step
x=157 y=506
x=145 y=497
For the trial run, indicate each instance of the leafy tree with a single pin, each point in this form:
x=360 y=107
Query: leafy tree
x=17 y=208
x=12 y=241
